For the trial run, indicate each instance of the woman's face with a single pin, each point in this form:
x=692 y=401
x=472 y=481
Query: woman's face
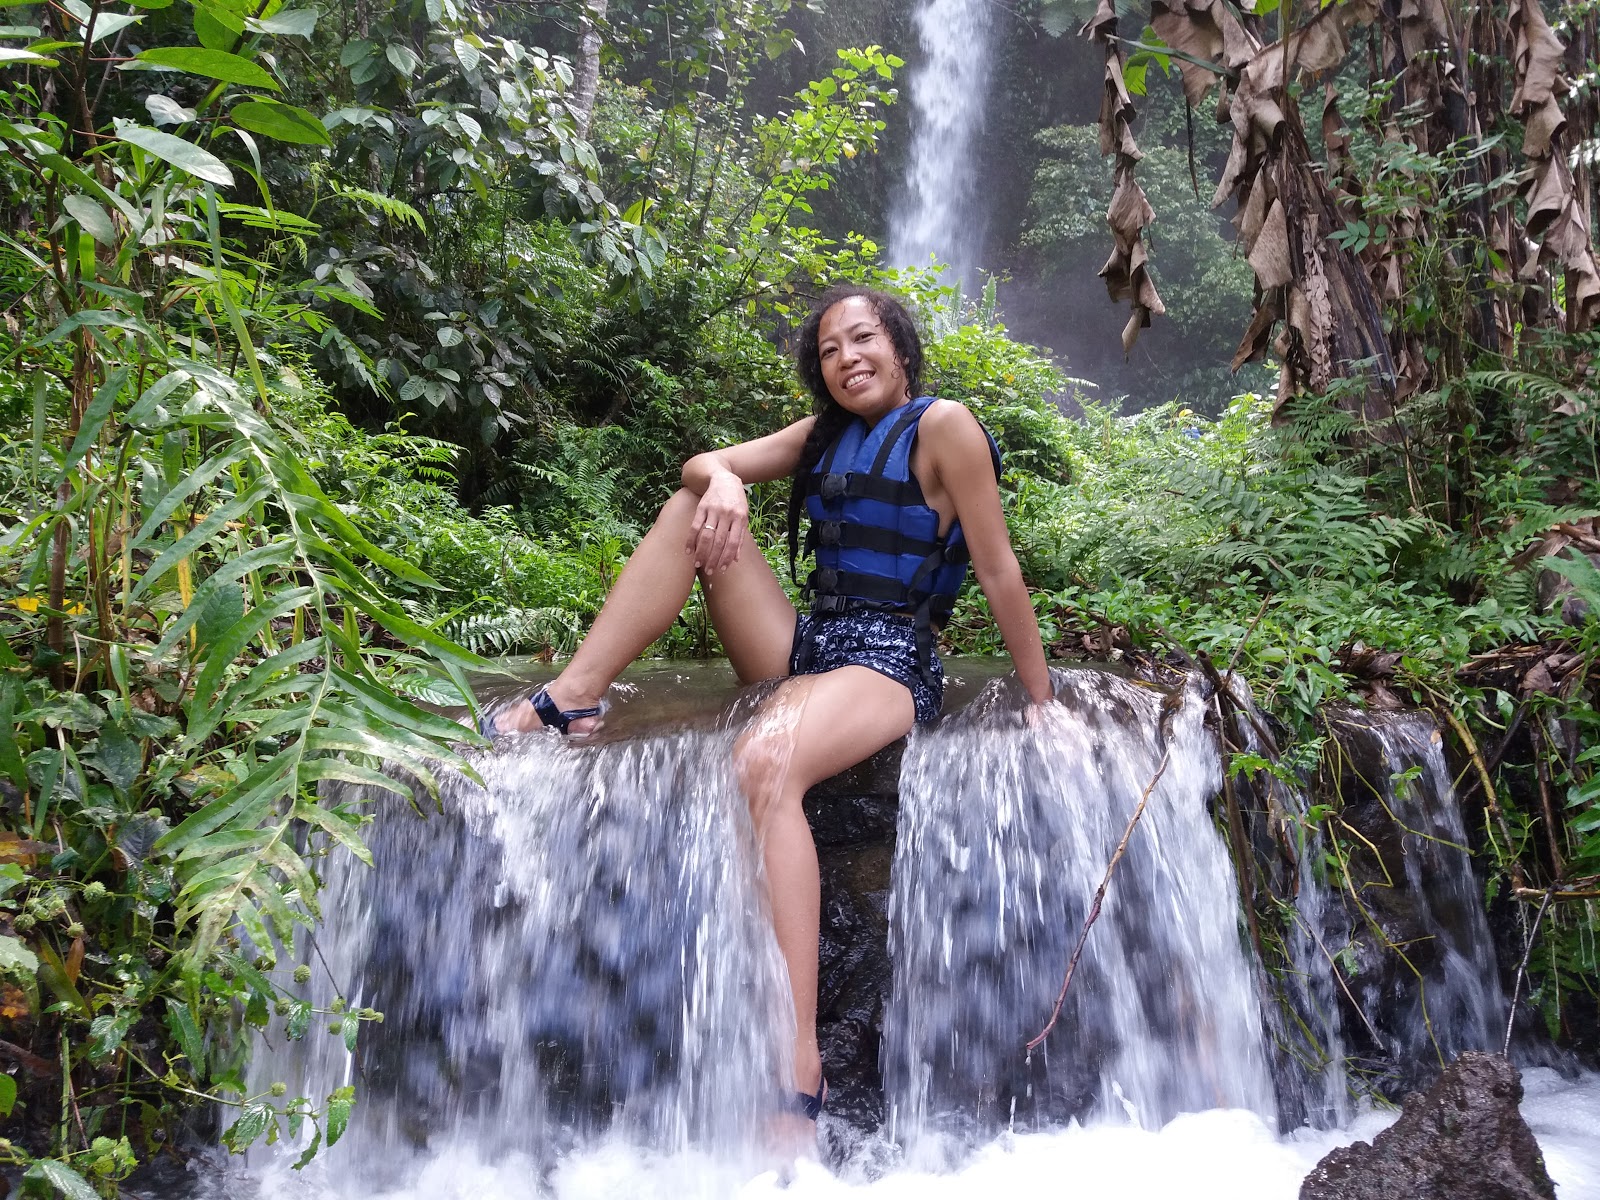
x=860 y=366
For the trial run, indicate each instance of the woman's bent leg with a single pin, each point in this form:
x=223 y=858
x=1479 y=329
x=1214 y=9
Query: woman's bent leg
x=812 y=728
x=647 y=598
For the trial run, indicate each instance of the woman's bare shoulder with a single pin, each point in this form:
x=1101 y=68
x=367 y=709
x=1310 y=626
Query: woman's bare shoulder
x=951 y=422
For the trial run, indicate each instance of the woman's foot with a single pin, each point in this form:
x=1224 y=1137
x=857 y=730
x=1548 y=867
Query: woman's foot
x=792 y=1131
x=553 y=706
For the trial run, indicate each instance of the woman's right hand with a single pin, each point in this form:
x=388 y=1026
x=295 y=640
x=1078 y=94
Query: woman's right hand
x=719 y=525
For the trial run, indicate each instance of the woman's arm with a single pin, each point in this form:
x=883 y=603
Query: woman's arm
x=960 y=458
x=718 y=478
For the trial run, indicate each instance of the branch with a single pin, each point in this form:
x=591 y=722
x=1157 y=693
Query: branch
x=1099 y=898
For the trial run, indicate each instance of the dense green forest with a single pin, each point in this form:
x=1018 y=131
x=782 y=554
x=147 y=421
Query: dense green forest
x=345 y=344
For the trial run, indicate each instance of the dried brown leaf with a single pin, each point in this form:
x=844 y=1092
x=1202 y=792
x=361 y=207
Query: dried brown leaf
x=1269 y=256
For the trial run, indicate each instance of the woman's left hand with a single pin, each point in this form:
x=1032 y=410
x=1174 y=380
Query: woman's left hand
x=719 y=524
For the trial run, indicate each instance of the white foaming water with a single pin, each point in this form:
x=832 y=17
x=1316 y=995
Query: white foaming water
x=938 y=213
x=1214 y=1155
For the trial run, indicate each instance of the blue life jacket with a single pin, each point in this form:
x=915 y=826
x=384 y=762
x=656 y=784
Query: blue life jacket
x=875 y=538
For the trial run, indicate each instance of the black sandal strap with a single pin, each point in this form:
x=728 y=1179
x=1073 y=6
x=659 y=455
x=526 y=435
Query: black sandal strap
x=554 y=717
x=808 y=1106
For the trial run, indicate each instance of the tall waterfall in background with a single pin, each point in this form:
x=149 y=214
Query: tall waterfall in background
x=939 y=212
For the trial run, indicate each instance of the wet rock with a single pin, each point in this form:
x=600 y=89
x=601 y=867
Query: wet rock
x=1464 y=1140
x=854 y=977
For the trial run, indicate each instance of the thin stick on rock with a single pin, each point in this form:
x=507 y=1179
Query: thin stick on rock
x=1522 y=967
x=1099 y=898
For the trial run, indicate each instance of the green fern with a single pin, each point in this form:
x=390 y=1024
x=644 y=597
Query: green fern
x=516 y=631
x=395 y=209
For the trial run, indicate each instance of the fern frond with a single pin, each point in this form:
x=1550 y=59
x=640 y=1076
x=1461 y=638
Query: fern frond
x=395 y=209
x=516 y=630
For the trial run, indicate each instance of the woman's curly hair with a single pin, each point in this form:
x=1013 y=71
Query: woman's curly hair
x=831 y=418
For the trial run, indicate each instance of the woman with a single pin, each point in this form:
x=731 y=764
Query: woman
x=900 y=490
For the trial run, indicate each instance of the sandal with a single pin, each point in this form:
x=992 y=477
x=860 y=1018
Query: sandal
x=549 y=714
x=809 y=1106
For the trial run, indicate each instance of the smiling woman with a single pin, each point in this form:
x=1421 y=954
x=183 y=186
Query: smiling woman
x=902 y=493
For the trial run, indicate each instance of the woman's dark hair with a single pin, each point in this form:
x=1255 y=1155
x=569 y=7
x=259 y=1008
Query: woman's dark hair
x=831 y=418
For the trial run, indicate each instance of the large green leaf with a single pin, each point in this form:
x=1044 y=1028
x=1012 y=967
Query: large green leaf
x=285 y=122
x=96 y=222
x=186 y=156
x=217 y=28
x=286 y=22
x=60 y=1178
x=212 y=64
x=10 y=55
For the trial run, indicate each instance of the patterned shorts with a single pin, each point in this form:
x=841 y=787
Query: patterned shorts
x=886 y=642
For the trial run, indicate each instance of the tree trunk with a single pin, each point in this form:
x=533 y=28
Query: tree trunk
x=587 y=83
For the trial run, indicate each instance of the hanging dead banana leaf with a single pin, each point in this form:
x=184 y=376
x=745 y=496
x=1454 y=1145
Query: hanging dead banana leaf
x=1555 y=210
x=1127 y=271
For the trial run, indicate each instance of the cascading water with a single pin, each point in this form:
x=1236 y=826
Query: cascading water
x=938 y=213
x=582 y=998
x=1306 y=1028
x=1324 y=1097
x=1449 y=994
x=1005 y=833
x=579 y=945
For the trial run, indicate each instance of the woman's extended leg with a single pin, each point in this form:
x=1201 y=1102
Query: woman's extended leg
x=747 y=605
x=810 y=729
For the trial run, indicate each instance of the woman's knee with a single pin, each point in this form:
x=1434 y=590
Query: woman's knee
x=761 y=763
x=679 y=508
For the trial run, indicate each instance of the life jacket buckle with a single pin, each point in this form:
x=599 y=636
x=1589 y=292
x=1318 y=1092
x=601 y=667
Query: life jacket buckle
x=828 y=532
x=829 y=605
x=833 y=485
x=825 y=579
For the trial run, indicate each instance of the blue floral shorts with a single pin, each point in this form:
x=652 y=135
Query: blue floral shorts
x=884 y=641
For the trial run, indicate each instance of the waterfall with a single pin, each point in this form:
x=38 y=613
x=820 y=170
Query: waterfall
x=1290 y=844
x=1444 y=996
x=1005 y=833
x=579 y=945
x=582 y=998
x=939 y=212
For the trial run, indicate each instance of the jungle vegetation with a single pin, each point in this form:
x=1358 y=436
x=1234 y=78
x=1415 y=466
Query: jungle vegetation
x=344 y=344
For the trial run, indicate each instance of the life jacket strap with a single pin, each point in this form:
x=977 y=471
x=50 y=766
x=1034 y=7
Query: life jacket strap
x=835 y=586
x=858 y=485
x=866 y=537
